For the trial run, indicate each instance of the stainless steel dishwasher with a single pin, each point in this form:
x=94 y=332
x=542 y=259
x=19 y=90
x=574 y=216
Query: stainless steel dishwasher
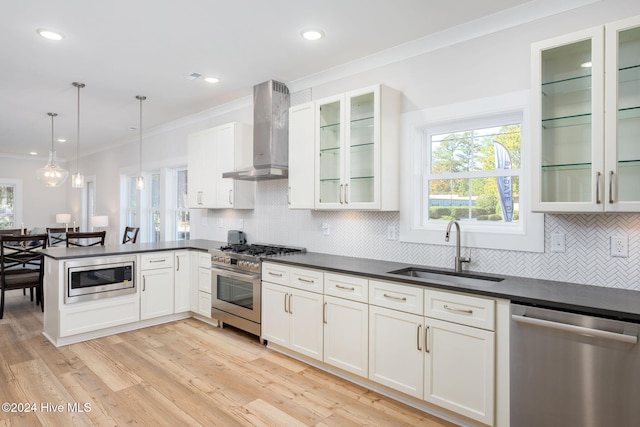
x=573 y=370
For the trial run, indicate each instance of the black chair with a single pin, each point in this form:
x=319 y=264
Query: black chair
x=86 y=238
x=22 y=265
x=58 y=236
x=130 y=235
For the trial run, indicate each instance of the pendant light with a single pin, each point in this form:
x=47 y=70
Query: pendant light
x=77 y=179
x=52 y=175
x=140 y=178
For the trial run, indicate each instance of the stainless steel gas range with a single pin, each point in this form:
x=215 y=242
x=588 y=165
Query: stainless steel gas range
x=235 y=283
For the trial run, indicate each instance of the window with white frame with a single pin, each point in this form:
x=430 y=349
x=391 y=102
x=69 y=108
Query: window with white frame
x=181 y=212
x=161 y=206
x=8 y=194
x=468 y=162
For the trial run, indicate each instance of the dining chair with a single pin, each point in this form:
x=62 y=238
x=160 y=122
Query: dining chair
x=57 y=236
x=130 y=234
x=22 y=265
x=86 y=238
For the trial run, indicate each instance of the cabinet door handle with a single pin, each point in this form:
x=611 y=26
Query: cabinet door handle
x=341 y=193
x=457 y=310
x=199 y=198
x=177 y=263
x=346 y=193
x=324 y=314
x=418 y=337
x=611 y=187
x=598 y=201
x=403 y=299
x=285 y=303
x=230 y=194
x=289 y=196
x=426 y=340
x=144 y=283
x=290 y=310
x=348 y=288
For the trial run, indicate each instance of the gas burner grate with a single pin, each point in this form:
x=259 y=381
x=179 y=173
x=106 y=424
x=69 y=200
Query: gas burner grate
x=261 y=250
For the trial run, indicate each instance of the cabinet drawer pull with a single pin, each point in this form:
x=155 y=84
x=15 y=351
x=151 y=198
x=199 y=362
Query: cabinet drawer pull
x=271 y=273
x=347 y=288
x=598 y=188
x=611 y=187
x=300 y=279
x=458 y=310
x=403 y=299
x=157 y=260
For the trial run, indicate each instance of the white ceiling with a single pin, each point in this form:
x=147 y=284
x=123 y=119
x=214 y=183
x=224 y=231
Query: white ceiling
x=123 y=48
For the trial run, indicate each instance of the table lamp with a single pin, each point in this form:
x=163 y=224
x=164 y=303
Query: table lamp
x=64 y=219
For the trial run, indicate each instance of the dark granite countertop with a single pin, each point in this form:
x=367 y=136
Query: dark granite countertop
x=585 y=299
x=61 y=253
x=599 y=301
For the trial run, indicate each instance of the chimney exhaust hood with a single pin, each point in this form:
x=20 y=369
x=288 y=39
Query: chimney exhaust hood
x=270 y=134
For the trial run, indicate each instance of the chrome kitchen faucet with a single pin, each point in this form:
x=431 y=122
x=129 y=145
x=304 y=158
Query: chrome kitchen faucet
x=458 y=260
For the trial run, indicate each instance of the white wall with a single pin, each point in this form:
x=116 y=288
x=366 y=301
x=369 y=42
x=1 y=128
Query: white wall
x=39 y=203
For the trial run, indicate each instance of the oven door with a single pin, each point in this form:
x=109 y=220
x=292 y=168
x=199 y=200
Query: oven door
x=236 y=293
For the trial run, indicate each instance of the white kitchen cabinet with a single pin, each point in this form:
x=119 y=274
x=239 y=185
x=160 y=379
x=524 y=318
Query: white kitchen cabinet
x=585 y=120
x=182 y=282
x=201 y=300
x=156 y=284
x=301 y=156
x=459 y=369
x=396 y=357
x=346 y=335
x=292 y=318
x=212 y=152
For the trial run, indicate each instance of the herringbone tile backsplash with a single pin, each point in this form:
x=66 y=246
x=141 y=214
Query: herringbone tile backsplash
x=364 y=235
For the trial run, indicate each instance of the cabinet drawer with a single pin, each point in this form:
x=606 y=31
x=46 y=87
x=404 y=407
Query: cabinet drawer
x=275 y=273
x=307 y=280
x=204 y=259
x=349 y=287
x=396 y=296
x=156 y=260
x=462 y=309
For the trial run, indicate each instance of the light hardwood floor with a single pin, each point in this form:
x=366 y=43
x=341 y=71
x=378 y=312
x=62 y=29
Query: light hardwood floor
x=184 y=373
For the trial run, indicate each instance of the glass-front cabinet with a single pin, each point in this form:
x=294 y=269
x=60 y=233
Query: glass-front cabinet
x=358 y=150
x=585 y=126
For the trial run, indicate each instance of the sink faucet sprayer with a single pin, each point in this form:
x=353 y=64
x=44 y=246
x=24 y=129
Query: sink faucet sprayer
x=458 y=260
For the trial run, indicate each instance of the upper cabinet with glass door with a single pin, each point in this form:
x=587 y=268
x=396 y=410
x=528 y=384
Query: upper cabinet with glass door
x=358 y=150
x=585 y=127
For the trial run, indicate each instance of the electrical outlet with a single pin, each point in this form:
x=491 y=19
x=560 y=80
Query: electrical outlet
x=241 y=224
x=391 y=233
x=557 y=242
x=325 y=228
x=220 y=223
x=619 y=246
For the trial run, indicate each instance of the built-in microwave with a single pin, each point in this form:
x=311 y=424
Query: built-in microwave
x=93 y=279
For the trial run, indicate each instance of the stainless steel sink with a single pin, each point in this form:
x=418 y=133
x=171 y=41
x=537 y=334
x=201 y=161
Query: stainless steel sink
x=446 y=276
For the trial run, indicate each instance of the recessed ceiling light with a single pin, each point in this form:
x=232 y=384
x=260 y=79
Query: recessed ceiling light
x=312 y=34
x=61 y=140
x=33 y=153
x=211 y=79
x=49 y=34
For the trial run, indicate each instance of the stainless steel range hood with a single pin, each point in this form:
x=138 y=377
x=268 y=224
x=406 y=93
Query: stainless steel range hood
x=270 y=134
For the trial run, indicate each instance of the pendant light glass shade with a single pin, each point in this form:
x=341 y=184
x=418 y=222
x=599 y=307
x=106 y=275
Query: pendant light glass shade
x=140 y=178
x=52 y=175
x=77 y=179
